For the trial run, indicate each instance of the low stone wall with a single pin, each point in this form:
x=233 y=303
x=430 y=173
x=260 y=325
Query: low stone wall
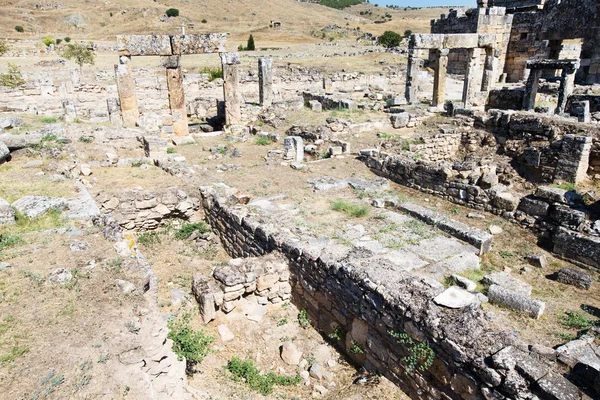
x=140 y=209
x=385 y=318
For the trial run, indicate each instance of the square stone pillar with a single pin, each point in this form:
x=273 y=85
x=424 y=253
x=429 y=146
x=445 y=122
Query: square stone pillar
x=574 y=158
x=412 y=77
x=231 y=92
x=531 y=88
x=489 y=70
x=126 y=90
x=265 y=81
x=176 y=95
x=439 y=79
x=471 y=76
x=565 y=90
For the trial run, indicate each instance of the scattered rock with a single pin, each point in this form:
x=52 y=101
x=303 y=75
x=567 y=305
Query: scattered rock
x=85 y=170
x=316 y=371
x=7 y=214
x=36 y=206
x=178 y=297
x=61 y=276
x=321 y=389
x=290 y=353
x=79 y=246
x=539 y=261
x=455 y=297
x=508 y=281
x=465 y=283
x=125 y=286
x=475 y=216
x=225 y=333
x=495 y=229
x=4 y=152
x=33 y=164
x=256 y=312
x=574 y=277
x=4 y=265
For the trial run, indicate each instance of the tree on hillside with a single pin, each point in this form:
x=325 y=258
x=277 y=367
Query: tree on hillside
x=172 y=12
x=80 y=53
x=250 y=45
x=390 y=39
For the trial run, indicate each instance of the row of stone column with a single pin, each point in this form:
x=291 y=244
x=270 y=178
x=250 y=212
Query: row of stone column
x=440 y=70
x=230 y=64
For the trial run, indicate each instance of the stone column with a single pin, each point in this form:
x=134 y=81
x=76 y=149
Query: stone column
x=566 y=88
x=126 y=89
x=489 y=70
x=327 y=85
x=233 y=113
x=265 y=81
x=412 y=77
x=531 y=88
x=439 y=79
x=176 y=94
x=470 y=76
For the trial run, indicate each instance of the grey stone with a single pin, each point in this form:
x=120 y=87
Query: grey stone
x=290 y=353
x=506 y=201
x=495 y=229
x=10 y=122
x=16 y=142
x=79 y=246
x=178 y=297
x=507 y=281
x=534 y=207
x=465 y=283
x=33 y=164
x=7 y=214
x=455 y=297
x=316 y=371
x=517 y=301
x=4 y=152
x=205 y=297
x=539 y=260
x=256 y=312
x=440 y=248
x=379 y=184
x=488 y=180
x=61 y=276
x=5 y=265
x=36 y=206
x=225 y=333
x=125 y=287
x=400 y=120
x=556 y=195
x=182 y=140
x=327 y=183
x=574 y=277
x=229 y=275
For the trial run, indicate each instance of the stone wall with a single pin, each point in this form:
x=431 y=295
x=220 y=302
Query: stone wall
x=388 y=314
x=140 y=209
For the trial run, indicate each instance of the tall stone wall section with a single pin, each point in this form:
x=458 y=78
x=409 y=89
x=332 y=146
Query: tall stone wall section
x=367 y=303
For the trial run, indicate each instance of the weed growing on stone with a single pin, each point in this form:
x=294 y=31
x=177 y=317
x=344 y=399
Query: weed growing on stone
x=246 y=371
x=303 y=319
x=353 y=210
x=356 y=348
x=338 y=334
x=187 y=230
x=262 y=141
x=188 y=343
x=282 y=322
x=420 y=356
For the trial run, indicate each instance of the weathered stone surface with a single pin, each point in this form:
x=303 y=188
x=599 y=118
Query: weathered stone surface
x=507 y=281
x=205 y=298
x=577 y=247
x=7 y=214
x=400 y=120
x=231 y=92
x=290 y=353
x=455 y=297
x=10 y=122
x=155 y=146
x=265 y=81
x=16 y=142
x=540 y=261
x=534 y=308
x=177 y=101
x=61 y=276
x=464 y=282
x=506 y=201
x=127 y=95
x=225 y=333
x=36 y=206
x=124 y=286
x=198 y=43
x=144 y=45
x=4 y=152
x=229 y=275
x=534 y=207
x=555 y=195
x=574 y=277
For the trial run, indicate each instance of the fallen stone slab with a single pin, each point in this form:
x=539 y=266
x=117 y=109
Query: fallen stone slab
x=16 y=142
x=326 y=183
x=577 y=247
x=83 y=207
x=556 y=195
x=10 y=122
x=290 y=353
x=569 y=353
x=478 y=238
x=574 y=277
x=458 y=263
x=376 y=185
x=182 y=140
x=516 y=301
x=539 y=261
x=7 y=214
x=455 y=297
x=507 y=281
x=225 y=333
x=36 y=206
x=440 y=248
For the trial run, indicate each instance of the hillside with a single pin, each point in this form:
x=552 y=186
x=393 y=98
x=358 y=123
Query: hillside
x=104 y=20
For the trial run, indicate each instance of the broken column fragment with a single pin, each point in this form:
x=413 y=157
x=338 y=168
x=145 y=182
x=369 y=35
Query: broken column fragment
x=126 y=89
x=176 y=95
x=265 y=81
x=231 y=93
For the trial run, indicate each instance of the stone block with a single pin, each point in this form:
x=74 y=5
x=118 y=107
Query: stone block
x=428 y=41
x=400 y=120
x=205 y=298
x=198 y=43
x=507 y=281
x=461 y=41
x=455 y=297
x=517 y=301
x=144 y=45
x=574 y=277
x=315 y=105
x=155 y=147
x=533 y=207
x=506 y=201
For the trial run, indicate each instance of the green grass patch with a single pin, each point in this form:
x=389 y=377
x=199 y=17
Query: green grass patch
x=577 y=320
x=353 y=210
x=568 y=186
x=187 y=230
x=49 y=120
x=149 y=238
x=246 y=371
x=8 y=240
x=262 y=141
x=303 y=319
x=52 y=219
x=14 y=353
x=213 y=73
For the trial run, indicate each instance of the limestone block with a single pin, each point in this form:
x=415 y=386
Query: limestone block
x=486 y=40
x=198 y=43
x=400 y=120
x=7 y=214
x=506 y=201
x=455 y=297
x=534 y=207
x=508 y=281
x=155 y=146
x=460 y=41
x=428 y=41
x=205 y=298
x=315 y=105
x=144 y=45
x=574 y=277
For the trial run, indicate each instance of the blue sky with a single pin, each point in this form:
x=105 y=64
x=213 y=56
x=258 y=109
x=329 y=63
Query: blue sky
x=426 y=3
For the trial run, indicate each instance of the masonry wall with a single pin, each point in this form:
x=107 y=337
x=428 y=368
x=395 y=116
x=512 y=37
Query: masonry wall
x=368 y=302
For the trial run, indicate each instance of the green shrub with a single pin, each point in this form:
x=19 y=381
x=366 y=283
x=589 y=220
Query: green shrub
x=407 y=33
x=187 y=230
x=241 y=47
x=250 y=45
x=12 y=78
x=7 y=240
x=204 y=21
x=246 y=371
x=340 y=4
x=19 y=29
x=86 y=139
x=80 y=53
x=353 y=210
x=48 y=41
x=389 y=39
x=188 y=343
x=58 y=41
x=4 y=47
x=172 y=12
x=213 y=73
x=67 y=39
x=262 y=141
x=576 y=320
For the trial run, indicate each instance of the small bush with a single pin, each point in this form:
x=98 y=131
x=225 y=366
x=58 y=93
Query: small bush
x=262 y=141
x=187 y=230
x=67 y=39
x=172 y=12
x=389 y=39
x=246 y=371
x=188 y=343
x=170 y=150
x=407 y=33
x=204 y=21
x=86 y=139
x=213 y=73
x=241 y=47
x=12 y=78
x=353 y=210
x=4 y=47
x=19 y=29
x=48 y=41
x=58 y=41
